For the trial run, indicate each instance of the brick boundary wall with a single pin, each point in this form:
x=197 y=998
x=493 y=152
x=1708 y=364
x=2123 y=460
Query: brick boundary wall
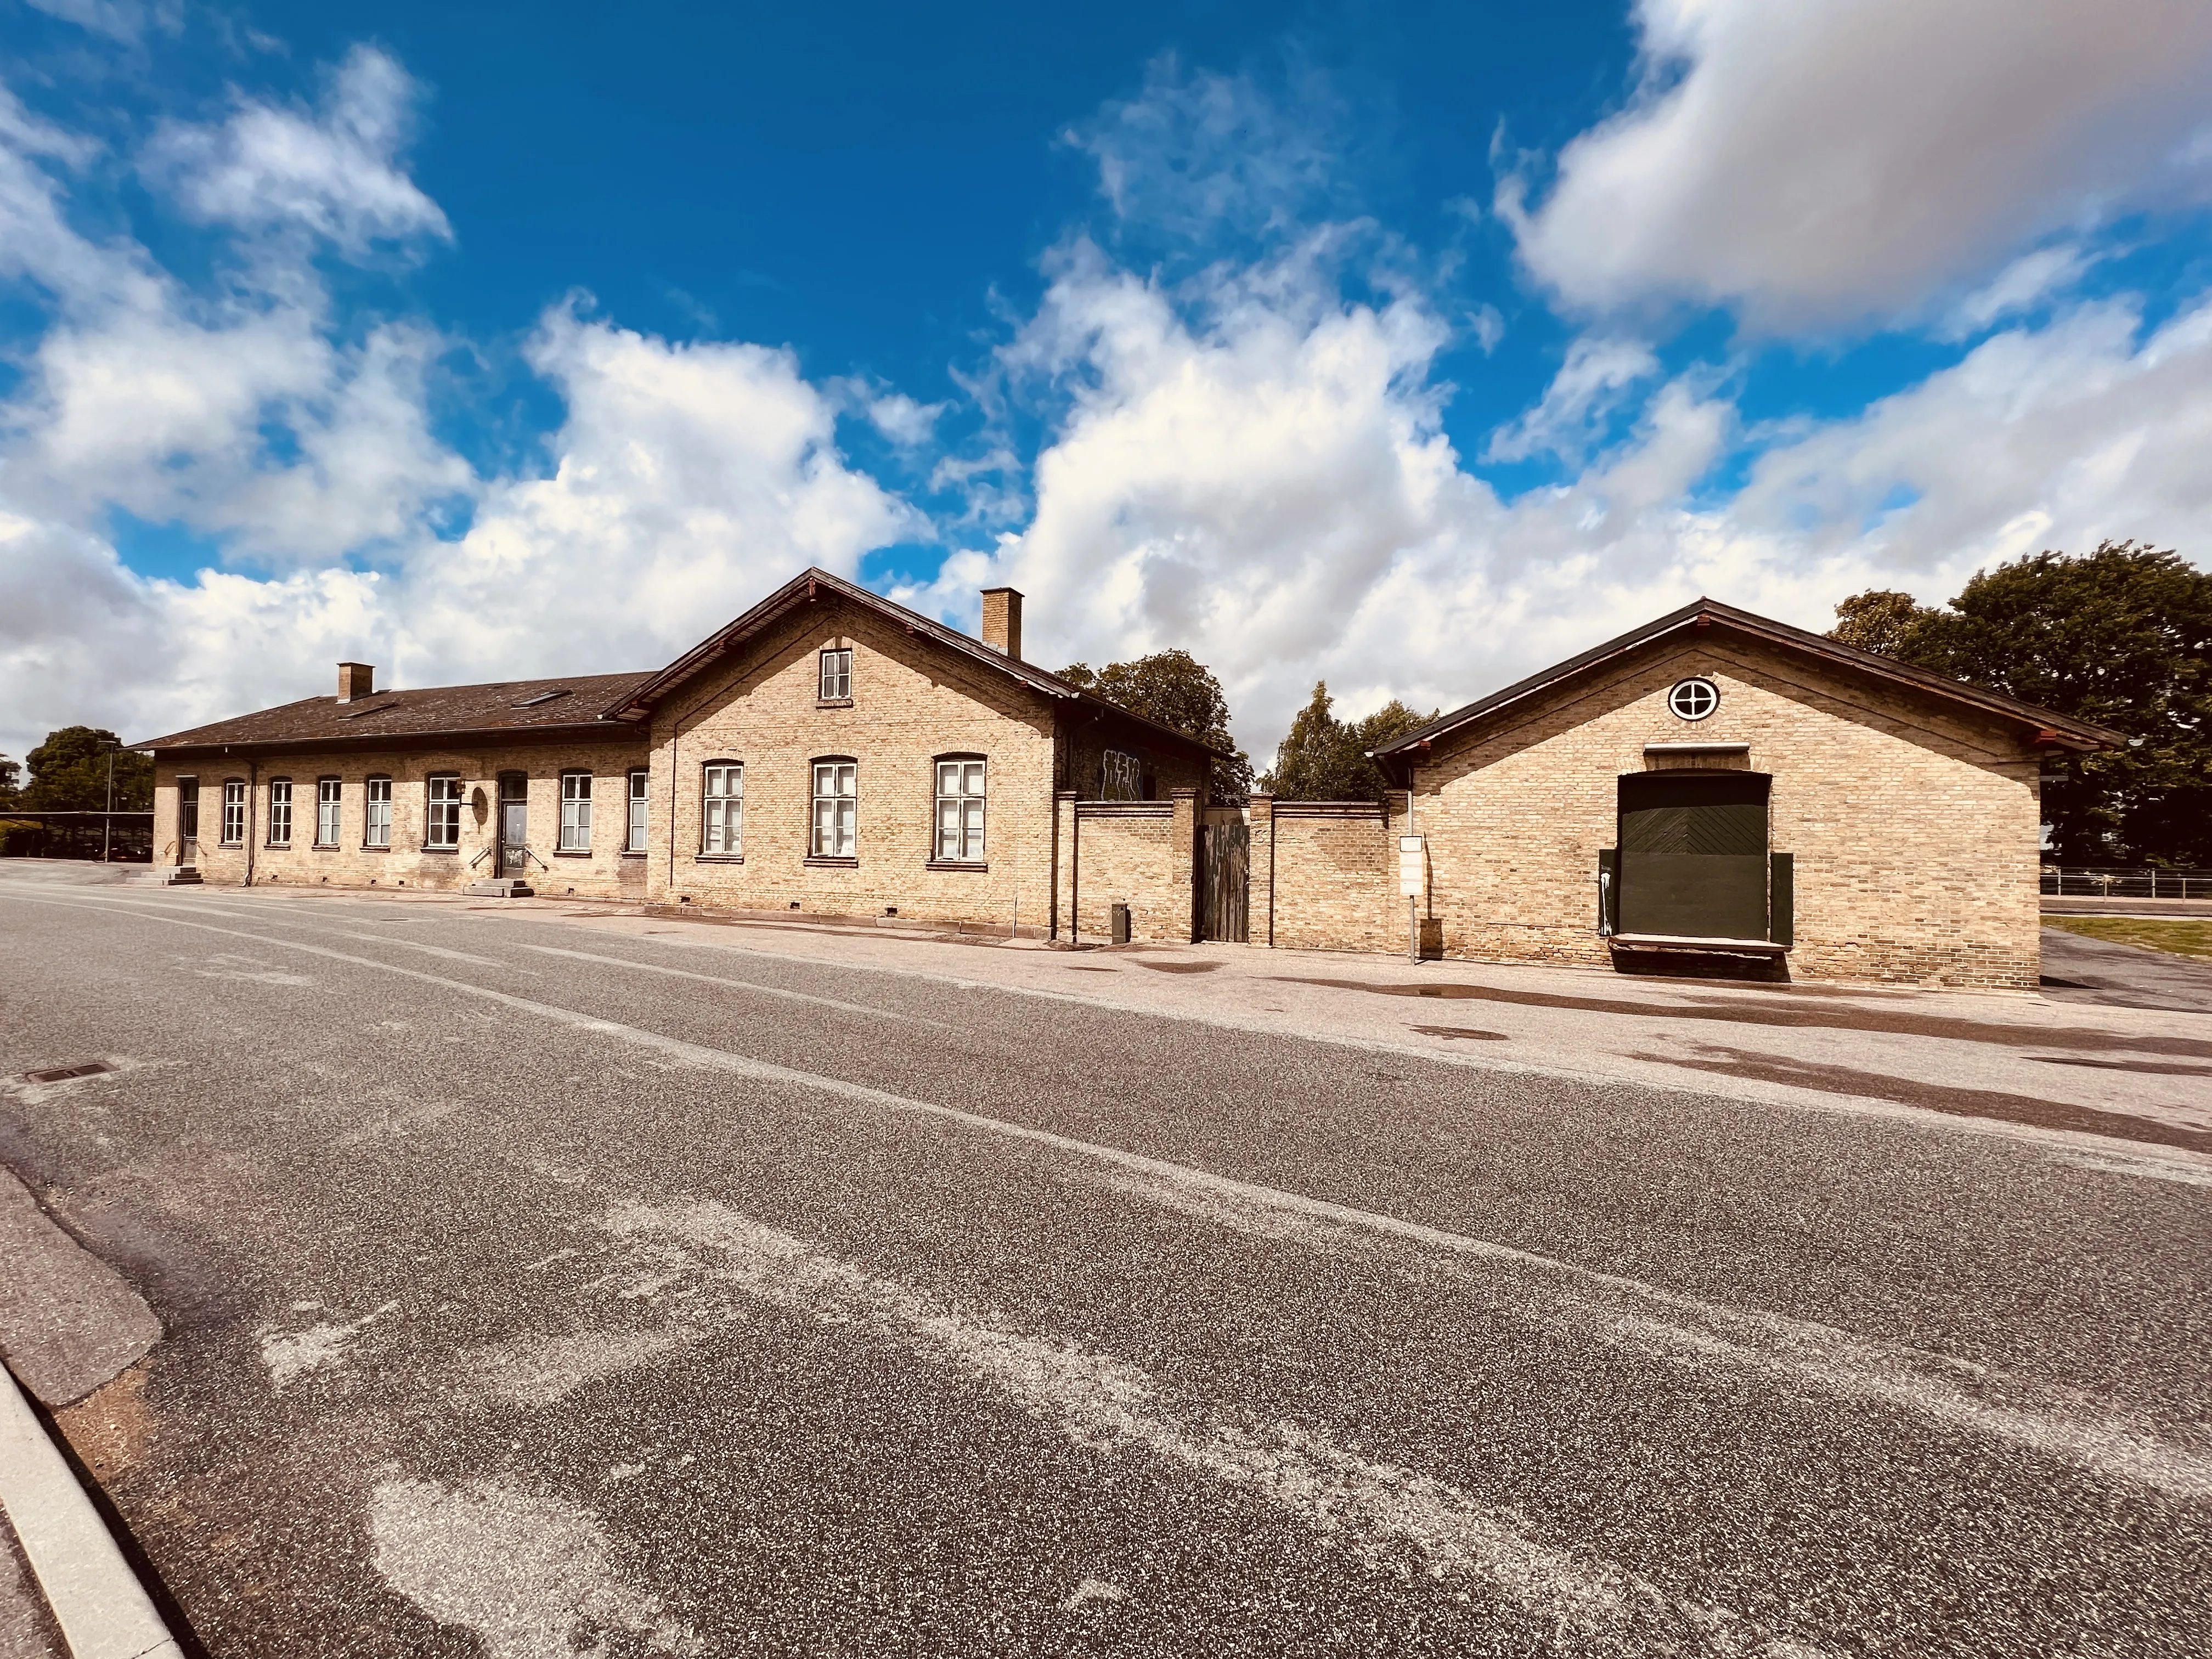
x=1324 y=876
x=1143 y=854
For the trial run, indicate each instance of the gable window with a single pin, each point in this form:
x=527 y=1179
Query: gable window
x=634 y=839
x=329 y=792
x=960 y=811
x=1121 y=777
x=376 y=826
x=836 y=808
x=280 y=812
x=575 y=812
x=442 y=819
x=234 y=812
x=837 y=674
x=724 y=833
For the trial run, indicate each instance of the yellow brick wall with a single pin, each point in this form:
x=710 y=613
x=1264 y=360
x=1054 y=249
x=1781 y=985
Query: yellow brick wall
x=1914 y=825
x=1335 y=870
x=1140 y=854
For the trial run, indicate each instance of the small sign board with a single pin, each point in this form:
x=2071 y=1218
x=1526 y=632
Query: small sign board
x=1410 y=863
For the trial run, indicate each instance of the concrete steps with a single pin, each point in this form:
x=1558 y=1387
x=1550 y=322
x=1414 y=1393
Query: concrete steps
x=500 y=887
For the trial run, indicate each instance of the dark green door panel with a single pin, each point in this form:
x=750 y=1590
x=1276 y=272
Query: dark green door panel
x=1693 y=854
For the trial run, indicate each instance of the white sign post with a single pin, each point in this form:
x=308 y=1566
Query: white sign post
x=1411 y=867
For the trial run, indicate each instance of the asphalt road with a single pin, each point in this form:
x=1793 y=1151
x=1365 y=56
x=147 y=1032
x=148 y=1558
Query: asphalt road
x=528 y=1294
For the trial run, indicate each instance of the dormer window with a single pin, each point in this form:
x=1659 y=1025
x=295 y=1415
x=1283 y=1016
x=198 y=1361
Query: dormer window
x=837 y=674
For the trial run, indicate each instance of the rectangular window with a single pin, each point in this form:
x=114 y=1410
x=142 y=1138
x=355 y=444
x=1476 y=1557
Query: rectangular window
x=960 y=811
x=575 y=812
x=376 y=826
x=234 y=813
x=836 y=675
x=725 y=810
x=280 y=812
x=634 y=841
x=441 y=819
x=836 y=808
x=328 y=794
x=1122 y=777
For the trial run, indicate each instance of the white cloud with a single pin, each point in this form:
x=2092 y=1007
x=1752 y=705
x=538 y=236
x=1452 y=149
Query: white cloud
x=125 y=20
x=1829 y=162
x=2027 y=282
x=334 y=170
x=1591 y=386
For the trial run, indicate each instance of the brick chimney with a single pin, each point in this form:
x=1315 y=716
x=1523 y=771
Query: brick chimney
x=1002 y=621
x=356 y=679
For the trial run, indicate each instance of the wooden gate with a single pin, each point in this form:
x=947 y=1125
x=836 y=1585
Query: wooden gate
x=1227 y=872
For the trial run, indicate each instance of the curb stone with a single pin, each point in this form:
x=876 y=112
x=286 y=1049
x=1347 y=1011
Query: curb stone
x=103 y=1610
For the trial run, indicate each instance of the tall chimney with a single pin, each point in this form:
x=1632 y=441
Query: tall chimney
x=1002 y=621
x=356 y=679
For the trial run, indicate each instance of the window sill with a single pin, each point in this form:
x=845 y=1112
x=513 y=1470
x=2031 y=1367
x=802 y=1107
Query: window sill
x=975 y=865
x=712 y=857
x=325 y=846
x=276 y=846
x=825 y=862
x=628 y=854
x=572 y=852
x=367 y=847
x=454 y=848
x=234 y=845
x=833 y=702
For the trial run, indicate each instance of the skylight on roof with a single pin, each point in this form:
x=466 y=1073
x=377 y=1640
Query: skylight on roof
x=543 y=697
x=377 y=709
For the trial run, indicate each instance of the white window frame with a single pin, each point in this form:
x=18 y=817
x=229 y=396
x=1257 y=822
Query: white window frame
x=376 y=810
x=442 y=810
x=1121 y=776
x=280 y=812
x=962 y=783
x=835 y=684
x=835 y=830
x=639 y=796
x=575 y=812
x=330 y=811
x=722 y=809
x=234 y=812
x=1694 y=699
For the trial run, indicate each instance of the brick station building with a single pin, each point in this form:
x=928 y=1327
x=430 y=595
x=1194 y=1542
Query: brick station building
x=1716 y=784
x=829 y=753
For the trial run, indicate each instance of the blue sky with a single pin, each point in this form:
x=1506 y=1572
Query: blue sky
x=1411 y=346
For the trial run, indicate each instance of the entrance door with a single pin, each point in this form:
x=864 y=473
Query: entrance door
x=1693 y=854
x=188 y=821
x=513 y=824
x=1228 y=863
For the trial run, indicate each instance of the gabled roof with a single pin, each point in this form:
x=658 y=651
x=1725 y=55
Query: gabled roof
x=603 y=706
x=2049 y=727
x=814 y=583
x=515 y=707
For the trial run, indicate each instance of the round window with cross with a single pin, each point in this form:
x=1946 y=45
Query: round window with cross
x=1694 y=699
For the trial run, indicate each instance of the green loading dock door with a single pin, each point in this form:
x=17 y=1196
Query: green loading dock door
x=1693 y=860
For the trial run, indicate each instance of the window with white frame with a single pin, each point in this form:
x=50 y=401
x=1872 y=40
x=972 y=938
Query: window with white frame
x=634 y=839
x=1121 y=777
x=280 y=812
x=376 y=824
x=575 y=812
x=836 y=808
x=960 y=811
x=724 y=836
x=837 y=674
x=329 y=793
x=234 y=812
x=441 y=814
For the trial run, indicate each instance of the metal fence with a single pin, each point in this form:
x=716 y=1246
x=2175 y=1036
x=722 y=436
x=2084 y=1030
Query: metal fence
x=121 y=838
x=2127 y=883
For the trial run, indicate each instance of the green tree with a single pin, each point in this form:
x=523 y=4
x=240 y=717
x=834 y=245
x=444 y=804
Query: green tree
x=1880 y=620
x=10 y=773
x=69 y=774
x=2121 y=637
x=1324 y=758
x=1177 y=690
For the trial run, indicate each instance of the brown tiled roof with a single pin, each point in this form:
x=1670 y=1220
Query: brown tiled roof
x=2049 y=727
x=508 y=706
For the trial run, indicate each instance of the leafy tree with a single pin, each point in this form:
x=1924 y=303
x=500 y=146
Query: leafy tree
x=1324 y=758
x=69 y=774
x=10 y=772
x=1177 y=690
x=1880 y=620
x=2122 y=637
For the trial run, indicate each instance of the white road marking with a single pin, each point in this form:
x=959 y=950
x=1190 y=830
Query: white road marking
x=2111 y=1447
x=530 y=1574
x=734 y=984
x=1376 y=1510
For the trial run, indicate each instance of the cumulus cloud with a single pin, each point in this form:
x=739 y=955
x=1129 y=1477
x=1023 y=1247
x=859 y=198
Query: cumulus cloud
x=333 y=170
x=1592 y=383
x=1827 y=162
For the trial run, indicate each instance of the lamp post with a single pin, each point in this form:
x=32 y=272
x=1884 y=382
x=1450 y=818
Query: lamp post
x=107 y=818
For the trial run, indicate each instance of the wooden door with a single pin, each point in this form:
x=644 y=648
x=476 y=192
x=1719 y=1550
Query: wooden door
x=513 y=824
x=1227 y=840
x=1693 y=860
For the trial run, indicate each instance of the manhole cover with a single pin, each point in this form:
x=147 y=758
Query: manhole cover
x=63 y=1073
